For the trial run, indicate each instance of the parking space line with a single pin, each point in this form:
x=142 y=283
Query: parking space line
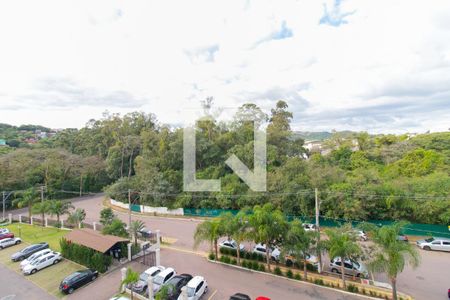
x=213 y=294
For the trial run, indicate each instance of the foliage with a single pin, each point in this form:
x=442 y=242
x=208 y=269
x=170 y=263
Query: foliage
x=59 y=208
x=107 y=216
x=131 y=278
x=117 y=228
x=210 y=231
x=136 y=226
x=85 y=256
x=26 y=199
x=77 y=217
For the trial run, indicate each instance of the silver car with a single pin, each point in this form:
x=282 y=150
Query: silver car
x=435 y=243
x=351 y=267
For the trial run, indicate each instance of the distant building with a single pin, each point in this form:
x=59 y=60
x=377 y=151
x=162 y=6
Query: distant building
x=2 y=142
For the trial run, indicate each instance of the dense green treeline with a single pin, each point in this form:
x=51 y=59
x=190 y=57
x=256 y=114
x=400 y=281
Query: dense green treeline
x=359 y=176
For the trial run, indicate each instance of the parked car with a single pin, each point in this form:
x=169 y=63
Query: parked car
x=435 y=243
x=196 y=288
x=174 y=286
x=162 y=278
x=239 y=296
x=261 y=249
x=42 y=262
x=28 y=251
x=36 y=255
x=77 y=280
x=231 y=244
x=262 y=298
x=309 y=227
x=351 y=267
x=402 y=238
x=310 y=259
x=4 y=230
x=8 y=235
x=9 y=242
x=142 y=284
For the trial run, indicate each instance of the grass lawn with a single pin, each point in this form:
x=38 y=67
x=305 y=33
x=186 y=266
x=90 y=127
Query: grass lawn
x=35 y=234
x=48 y=278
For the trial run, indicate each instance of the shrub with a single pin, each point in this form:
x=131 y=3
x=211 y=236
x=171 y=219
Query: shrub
x=297 y=276
x=319 y=281
x=289 y=263
x=244 y=264
x=227 y=259
x=289 y=274
x=211 y=256
x=262 y=268
x=277 y=271
x=248 y=255
x=255 y=266
x=234 y=261
x=353 y=289
x=85 y=256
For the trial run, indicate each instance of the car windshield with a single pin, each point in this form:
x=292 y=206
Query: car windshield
x=190 y=291
x=143 y=277
x=356 y=264
x=429 y=240
x=158 y=280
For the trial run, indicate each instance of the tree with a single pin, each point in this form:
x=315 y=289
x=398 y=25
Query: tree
x=211 y=231
x=77 y=217
x=59 y=208
x=107 y=216
x=131 y=278
x=392 y=255
x=117 y=228
x=237 y=227
x=41 y=208
x=135 y=227
x=27 y=199
x=299 y=242
x=268 y=226
x=341 y=243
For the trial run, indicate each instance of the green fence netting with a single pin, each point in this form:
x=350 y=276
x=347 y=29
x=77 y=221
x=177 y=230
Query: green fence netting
x=410 y=229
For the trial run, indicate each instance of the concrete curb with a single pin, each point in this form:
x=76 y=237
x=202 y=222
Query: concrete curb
x=294 y=280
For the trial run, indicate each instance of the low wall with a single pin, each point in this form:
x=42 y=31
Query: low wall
x=149 y=209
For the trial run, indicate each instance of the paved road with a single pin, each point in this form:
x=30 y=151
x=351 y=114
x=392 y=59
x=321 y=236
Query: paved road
x=429 y=281
x=14 y=286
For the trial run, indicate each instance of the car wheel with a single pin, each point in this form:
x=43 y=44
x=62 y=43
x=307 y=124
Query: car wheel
x=93 y=278
x=70 y=291
x=334 y=270
x=206 y=290
x=56 y=261
x=33 y=271
x=358 y=275
x=427 y=248
x=1 y=247
x=17 y=242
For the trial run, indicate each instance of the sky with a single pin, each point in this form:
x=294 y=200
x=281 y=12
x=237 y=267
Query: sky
x=378 y=66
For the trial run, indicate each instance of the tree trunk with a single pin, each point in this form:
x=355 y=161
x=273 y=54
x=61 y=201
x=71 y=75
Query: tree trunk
x=43 y=217
x=29 y=210
x=343 y=274
x=394 y=288
x=121 y=162
x=216 y=250
x=130 y=166
x=267 y=256
x=305 y=270
x=81 y=185
x=238 y=255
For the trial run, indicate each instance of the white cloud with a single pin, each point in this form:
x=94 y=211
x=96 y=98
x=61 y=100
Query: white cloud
x=377 y=65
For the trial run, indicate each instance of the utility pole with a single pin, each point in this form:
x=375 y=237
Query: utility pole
x=129 y=210
x=319 y=254
x=4 y=199
x=42 y=202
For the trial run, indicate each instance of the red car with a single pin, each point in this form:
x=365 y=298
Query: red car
x=6 y=235
x=262 y=298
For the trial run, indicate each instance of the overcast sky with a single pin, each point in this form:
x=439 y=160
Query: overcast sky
x=381 y=66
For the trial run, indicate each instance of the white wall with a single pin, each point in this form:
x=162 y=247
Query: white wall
x=149 y=209
x=119 y=204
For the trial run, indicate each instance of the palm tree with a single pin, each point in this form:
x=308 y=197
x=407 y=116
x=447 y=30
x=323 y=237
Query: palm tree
x=299 y=242
x=135 y=227
x=27 y=199
x=59 y=208
x=211 y=231
x=341 y=243
x=77 y=217
x=41 y=208
x=237 y=227
x=268 y=226
x=131 y=278
x=392 y=254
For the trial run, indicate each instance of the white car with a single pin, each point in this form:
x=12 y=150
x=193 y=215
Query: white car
x=231 y=244
x=42 y=262
x=36 y=255
x=261 y=249
x=9 y=242
x=311 y=259
x=196 y=288
x=142 y=284
x=309 y=227
x=360 y=234
x=161 y=278
x=4 y=230
x=434 y=243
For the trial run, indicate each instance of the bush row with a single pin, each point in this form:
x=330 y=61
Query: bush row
x=85 y=256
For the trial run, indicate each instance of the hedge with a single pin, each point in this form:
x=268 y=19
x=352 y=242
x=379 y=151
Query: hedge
x=85 y=256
